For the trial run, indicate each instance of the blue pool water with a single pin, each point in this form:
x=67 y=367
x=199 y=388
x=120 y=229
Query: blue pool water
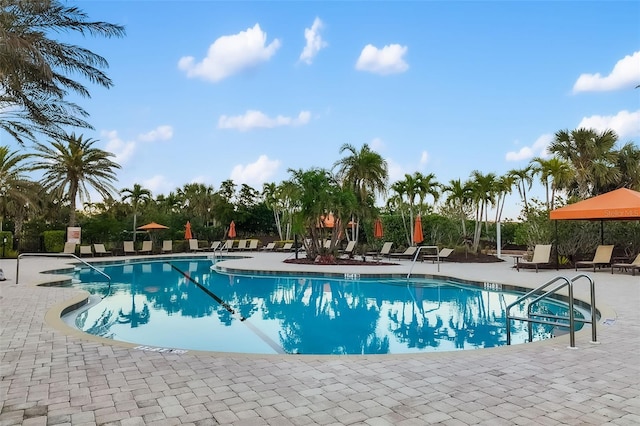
x=183 y=304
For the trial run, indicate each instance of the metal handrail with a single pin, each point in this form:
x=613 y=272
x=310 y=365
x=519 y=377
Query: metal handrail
x=572 y=320
x=415 y=257
x=58 y=255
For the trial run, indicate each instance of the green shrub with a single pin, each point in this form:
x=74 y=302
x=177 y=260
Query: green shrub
x=54 y=241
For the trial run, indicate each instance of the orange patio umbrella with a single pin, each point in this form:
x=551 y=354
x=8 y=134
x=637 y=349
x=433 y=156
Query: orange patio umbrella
x=232 y=229
x=377 y=229
x=417 y=231
x=152 y=227
x=188 y=235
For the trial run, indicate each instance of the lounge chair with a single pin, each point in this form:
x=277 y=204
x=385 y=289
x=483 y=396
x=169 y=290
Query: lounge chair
x=242 y=245
x=541 y=256
x=216 y=245
x=624 y=266
x=194 y=245
x=86 y=251
x=384 y=251
x=407 y=254
x=147 y=247
x=601 y=258
x=100 y=250
x=129 y=248
x=228 y=245
x=287 y=247
x=441 y=255
x=253 y=245
x=69 y=248
x=269 y=247
x=167 y=246
x=348 y=251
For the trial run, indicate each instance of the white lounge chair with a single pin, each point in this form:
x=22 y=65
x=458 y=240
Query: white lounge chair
x=407 y=254
x=624 y=266
x=129 y=248
x=242 y=245
x=228 y=245
x=541 y=256
x=348 y=251
x=194 y=245
x=441 y=255
x=167 y=246
x=216 y=245
x=287 y=247
x=147 y=247
x=253 y=245
x=100 y=250
x=601 y=258
x=86 y=251
x=384 y=251
x=69 y=248
x=269 y=247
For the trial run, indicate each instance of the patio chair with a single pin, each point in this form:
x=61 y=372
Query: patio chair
x=216 y=245
x=99 y=250
x=286 y=247
x=194 y=245
x=228 y=245
x=541 y=256
x=69 y=248
x=269 y=247
x=147 y=247
x=601 y=258
x=129 y=248
x=253 y=245
x=624 y=266
x=441 y=255
x=407 y=254
x=242 y=245
x=86 y=251
x=348 y=251
x=384 y=251
x=167 y=246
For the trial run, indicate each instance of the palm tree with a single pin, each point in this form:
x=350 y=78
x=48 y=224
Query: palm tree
x=458 y=199
x=554 y=173
x=71 y=165
x=482 y=194
x=413 y=190
x=137 y=195
x=365 y=172
x=629 y=165
x=36 y=70
x=15 y=188
x=524 y=180
x=592 y=157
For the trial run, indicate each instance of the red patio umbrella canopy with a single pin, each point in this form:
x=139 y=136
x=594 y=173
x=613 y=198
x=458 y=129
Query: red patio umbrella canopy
x=377 y=229
x=417 y=231
x=152 y=226
x=188 y=235
x=232 y=229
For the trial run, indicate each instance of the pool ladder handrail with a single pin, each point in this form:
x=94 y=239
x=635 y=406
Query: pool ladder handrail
x=415 y=257
x=21 y=255
x=548 y=318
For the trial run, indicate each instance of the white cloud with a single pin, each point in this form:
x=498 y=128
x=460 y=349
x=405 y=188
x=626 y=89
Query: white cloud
x=255 y=174
x=396 y=171
x=160 y=133
x=625 y=74
x=122 y=150
x=231 y=54
x=377 y=144
x=626 y=124
x=253 y=119
x=424 y=158
x=388 y=60
x=158 y=184
x=538 y=149
x=314 y=42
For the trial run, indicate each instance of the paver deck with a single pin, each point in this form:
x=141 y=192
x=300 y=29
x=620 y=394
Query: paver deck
x=51 y=376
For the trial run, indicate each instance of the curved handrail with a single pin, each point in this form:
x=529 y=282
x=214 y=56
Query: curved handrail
x=21 y=255
x=415 y=257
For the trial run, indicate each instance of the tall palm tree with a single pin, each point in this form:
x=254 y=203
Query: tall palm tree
x=15 y=187
x=365 y=172
x=592 y=157
x=524 y=180
x=503 y=187
x=137 y=196
x=482 y=194
x=413 y=190
x=458 y=198
x=72 y=165
x=36 y=70
x=628 y=163
x=554 y=173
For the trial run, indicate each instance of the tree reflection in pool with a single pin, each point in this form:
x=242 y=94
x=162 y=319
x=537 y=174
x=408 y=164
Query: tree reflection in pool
x=153 y=304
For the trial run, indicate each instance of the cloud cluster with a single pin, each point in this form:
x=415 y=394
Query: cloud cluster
x=388 y=60
x=626 y=124
x=124 y=150
x=538 y=149
x=229 y=55
x=253 y=119
x=256 y=173
x=625 y=74
x=314 y=42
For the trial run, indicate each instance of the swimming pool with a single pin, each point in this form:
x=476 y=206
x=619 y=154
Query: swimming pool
x=184 y=304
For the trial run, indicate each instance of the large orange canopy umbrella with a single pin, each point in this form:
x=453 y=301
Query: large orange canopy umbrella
x=417 y=231
x=377 y=229
x=232 y=229
x=620 y=204
x=188 y=235
x=152 y=227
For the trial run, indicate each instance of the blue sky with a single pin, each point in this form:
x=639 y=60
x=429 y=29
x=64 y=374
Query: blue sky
x=207 y=91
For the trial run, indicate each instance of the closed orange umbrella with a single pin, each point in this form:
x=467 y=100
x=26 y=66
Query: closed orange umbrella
x=417 y=231
x=377 y=229
x=232 y=229
x=187 y=232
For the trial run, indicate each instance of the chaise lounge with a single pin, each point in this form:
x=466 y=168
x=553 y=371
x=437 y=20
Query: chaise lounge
x=541 y=256
x=601 y=258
